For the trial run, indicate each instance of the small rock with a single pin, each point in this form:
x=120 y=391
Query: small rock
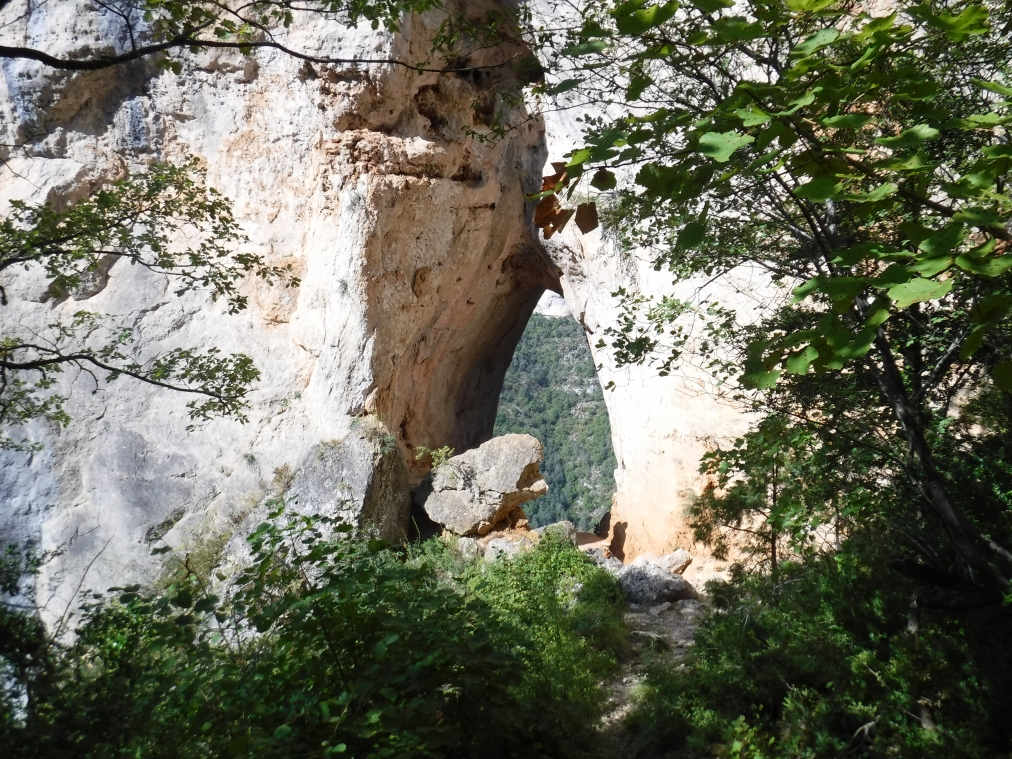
x=689 y=606
x=648 y=638
x=469 y=548
x=660 y=608
x=675 y=562
x=503 y=547
x=650 y=585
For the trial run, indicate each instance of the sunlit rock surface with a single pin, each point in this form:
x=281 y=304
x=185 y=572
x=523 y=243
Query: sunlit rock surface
x=419 y=268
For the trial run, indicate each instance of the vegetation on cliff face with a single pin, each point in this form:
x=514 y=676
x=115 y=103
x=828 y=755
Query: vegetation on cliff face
x=551 y=391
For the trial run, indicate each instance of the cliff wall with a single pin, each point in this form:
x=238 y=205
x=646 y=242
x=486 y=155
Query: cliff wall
x=419 y=269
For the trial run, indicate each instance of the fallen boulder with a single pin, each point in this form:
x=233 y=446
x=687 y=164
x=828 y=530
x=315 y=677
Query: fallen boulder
x=675 y=562
x=472 y=492
x=648 y=585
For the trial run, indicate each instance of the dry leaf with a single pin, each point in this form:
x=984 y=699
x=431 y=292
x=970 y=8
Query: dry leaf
x=586 y=217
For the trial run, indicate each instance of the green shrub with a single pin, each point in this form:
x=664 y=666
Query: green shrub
x=571 y=612
x=830 y=661
x=327 y=645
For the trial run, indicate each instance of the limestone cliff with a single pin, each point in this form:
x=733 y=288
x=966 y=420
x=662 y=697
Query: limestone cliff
x=419 y=269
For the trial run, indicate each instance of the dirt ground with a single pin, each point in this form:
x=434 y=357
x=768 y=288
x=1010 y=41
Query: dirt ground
x=665 y=631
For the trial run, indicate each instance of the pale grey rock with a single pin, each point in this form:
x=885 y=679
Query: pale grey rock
x=675 y=562
x=469 y=548
x=471 y=492
x=503 y=547
x=649 y=585
x=608 y=563
x=360 y=479
x=690 y=607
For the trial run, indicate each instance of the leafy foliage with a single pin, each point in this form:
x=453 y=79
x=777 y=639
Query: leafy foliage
x=140 y=219
x=833 y=661
x=551 y=392
x=326 y=644
x=860 y=164
x=860 y=161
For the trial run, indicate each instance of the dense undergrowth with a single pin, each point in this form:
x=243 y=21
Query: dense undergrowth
x=830 y=640
x=325 y=646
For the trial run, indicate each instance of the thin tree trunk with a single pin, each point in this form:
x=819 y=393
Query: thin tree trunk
x=927 y=479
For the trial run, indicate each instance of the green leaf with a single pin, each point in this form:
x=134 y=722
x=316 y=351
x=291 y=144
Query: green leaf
x=997 y=151
x=710 y=6
x=637 y=85
x=736 y=29
x=881 y=192
x=800 y=361
x=918 y=290
x=752 y=116
x=817 y=41
x=802 y=291
x=944 y=241
x=639 y=21
x=579 y=157
x=593 y=47
x=996 y=87
x=819 y=189
x=721 y=145
x=931 y=267
x=761 y=380
x=1002 y=375
x=847 y=121
x=604 y=180
x=972 y=21
x=993 y=268
x=564 y=86
x=693 y=233
x=979 y=217
x=808 y=6
x=916 y=135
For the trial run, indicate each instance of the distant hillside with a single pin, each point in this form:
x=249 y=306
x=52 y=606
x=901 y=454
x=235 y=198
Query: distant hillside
x=552 y=392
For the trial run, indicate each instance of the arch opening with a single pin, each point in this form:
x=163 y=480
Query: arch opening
x=551 y=391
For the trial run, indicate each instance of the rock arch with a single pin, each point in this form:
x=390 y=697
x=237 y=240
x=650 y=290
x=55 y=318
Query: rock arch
x=419 y=270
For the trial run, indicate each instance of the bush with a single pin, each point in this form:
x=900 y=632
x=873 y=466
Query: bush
x=326 y=645
x=831 y=661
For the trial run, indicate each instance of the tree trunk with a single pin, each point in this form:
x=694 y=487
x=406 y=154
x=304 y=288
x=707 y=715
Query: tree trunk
x=927 y=479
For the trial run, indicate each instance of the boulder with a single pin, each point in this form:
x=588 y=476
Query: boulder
x=360 y=479
x=675 y=562
x=469 y=548
x=472 y=492
x=649 y=585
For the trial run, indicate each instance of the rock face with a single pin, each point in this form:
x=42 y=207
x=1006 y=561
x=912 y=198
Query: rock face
x=472 y=492
x=419 y=269
x=361 y=479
